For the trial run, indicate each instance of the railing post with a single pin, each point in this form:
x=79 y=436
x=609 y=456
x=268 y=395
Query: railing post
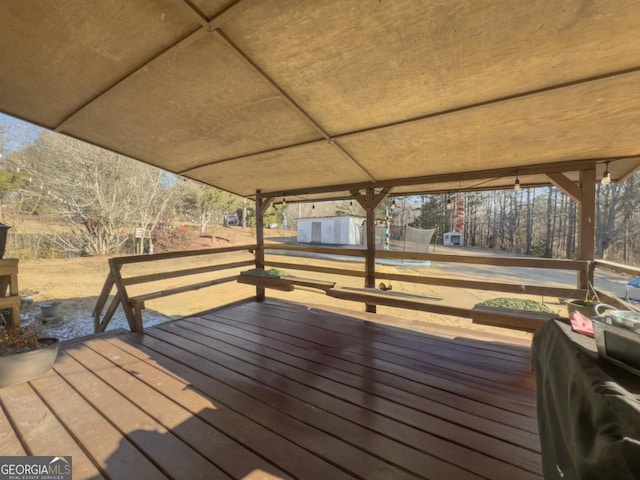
x=124 y=298
x=369 y=201
x=102 y=301
x=586 y=228
x=262 y=204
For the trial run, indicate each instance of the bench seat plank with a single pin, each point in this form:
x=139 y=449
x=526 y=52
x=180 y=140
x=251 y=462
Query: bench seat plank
x=282 y=282
x=373 y=296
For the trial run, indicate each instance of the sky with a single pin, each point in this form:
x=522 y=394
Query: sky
x=16 y=134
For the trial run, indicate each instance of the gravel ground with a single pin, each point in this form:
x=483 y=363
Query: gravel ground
x=79 y=323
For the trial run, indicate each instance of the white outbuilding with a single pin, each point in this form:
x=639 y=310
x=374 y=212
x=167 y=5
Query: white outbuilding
x=345 y=230
x=452 y=239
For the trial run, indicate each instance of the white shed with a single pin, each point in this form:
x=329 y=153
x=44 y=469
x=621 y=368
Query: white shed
x=452 y=239
x=331 y=230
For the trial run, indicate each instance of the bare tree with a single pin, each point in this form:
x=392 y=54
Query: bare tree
x=615 y=208
x=102 y=196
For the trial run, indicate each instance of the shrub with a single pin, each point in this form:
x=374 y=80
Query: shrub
x=18 y=340
x=517 y=304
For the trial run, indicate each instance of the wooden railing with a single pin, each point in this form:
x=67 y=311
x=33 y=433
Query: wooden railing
x=617 y=268
x=133 y=305
x=576 y=266
x=485 y=315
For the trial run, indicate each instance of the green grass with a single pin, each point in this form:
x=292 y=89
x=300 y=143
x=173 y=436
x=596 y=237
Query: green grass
x=517 y=304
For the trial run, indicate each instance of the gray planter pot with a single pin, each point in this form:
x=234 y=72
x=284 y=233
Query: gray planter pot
x=585 y=307
x=50 y=313
x=22 y=367
x=50 y=309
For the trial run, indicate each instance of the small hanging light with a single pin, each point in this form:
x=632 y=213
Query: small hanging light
x=393 y=204
x=606 y=178
x=284 y=202
x=313 y=206
x=516 y=185
x=449 y=204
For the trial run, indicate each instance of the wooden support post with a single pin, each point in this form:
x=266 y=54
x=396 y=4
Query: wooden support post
x=102 y=300
x=262 y=204
x=586 y=227
x=369 y=201
x=9 y=297
x=584 y=194
x=124 y=298
x=370 y=260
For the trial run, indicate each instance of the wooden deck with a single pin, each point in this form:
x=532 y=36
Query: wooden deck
x=276 y=390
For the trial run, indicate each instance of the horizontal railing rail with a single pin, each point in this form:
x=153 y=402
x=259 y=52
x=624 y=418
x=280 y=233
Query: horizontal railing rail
x=617 y=268
x=367 y=296
x=577 y=266
x=133 y=305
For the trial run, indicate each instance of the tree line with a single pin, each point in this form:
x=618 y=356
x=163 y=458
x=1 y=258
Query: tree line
x=542 y=221
x=101 y=196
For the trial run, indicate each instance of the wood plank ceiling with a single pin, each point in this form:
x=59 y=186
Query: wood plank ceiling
x=316 y=97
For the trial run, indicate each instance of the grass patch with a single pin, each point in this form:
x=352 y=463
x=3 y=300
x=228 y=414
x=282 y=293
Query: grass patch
x=517 y=304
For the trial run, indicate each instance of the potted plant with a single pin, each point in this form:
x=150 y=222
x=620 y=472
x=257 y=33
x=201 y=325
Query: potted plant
x=586 y=306
x=24 y=355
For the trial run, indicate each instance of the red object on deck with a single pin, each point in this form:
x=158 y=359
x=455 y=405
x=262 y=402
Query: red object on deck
x=581 y=324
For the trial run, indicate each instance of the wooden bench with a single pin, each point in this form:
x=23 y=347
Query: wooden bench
x=12 y=303
x=138 y=302
x=372 y=296
x=510 y=318
x=283 y=282
x=9 y=297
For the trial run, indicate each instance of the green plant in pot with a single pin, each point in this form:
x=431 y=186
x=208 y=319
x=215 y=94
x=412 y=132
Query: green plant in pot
x=25 y=355
x=586 y=306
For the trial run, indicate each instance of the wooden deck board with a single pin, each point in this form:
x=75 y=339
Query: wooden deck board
x=97 y=436
x=363 y=377
x=11 y=445
x=275 y=390
x=158 y=370
x=465 y=359
x=350 y=403
x=272 y=409
x=170 y=454
x=197 y=434
x=41 y=432
x=339 y=359
x=361 y=352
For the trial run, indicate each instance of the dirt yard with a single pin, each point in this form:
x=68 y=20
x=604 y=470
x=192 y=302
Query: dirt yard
x=77 y=283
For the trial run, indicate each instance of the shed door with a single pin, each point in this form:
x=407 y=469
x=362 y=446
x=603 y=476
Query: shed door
x=316 y=232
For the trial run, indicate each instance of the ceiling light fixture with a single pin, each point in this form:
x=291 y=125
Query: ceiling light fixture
x=449 y=204
x=393 y=204
x=516 y=185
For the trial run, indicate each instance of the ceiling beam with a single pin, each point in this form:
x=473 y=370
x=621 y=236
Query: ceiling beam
x=493 y=174
x=567 y=186
x=370 y=199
